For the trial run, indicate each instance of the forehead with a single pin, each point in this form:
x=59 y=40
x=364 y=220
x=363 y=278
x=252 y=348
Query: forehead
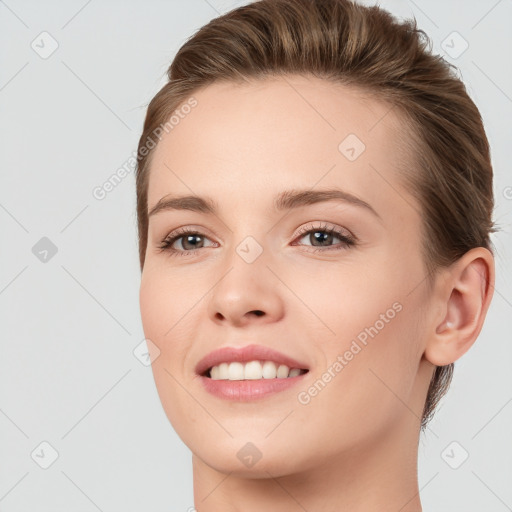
x=281 y=132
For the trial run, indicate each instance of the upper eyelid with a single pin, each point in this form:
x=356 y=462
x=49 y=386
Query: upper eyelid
x=327 y=226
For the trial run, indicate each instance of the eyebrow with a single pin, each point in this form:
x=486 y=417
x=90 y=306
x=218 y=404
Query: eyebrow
x=287 y=200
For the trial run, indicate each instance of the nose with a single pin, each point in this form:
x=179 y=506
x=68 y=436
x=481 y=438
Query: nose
x=246 y=294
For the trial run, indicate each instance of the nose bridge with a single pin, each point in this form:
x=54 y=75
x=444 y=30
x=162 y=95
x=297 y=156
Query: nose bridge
x=245 y=284
x=250 y=242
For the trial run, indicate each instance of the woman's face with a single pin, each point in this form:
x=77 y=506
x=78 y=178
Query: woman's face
x=283 y=276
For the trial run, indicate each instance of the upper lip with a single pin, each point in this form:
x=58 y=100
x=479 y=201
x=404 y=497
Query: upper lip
x=245 y=354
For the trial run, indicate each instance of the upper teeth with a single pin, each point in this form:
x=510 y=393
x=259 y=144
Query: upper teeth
x=252 y=370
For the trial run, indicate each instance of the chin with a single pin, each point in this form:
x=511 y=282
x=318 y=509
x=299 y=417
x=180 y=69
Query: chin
x=264 y=467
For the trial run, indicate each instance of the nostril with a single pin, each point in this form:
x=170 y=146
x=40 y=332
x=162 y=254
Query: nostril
x=258 y=312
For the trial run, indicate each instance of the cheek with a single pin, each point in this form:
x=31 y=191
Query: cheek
x=150 y=302
x=344 y=301
x=163 y=305
x=170 y=308
x=370 y=342
x=165 y=323
x=371 y=388
x=381 y=375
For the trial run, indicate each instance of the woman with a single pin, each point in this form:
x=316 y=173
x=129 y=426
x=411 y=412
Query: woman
x=314 y=199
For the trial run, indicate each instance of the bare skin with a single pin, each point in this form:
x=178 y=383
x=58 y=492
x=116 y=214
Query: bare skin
x=353 y=445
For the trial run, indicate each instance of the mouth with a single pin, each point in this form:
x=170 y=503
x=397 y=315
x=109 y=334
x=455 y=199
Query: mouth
x=252 y=362
x=249 y=373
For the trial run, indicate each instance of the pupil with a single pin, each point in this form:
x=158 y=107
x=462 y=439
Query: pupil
x=190 y=238
x=324 y=237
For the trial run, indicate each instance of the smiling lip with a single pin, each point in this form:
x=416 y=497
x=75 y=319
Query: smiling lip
x=244 y=355
x=246 y=390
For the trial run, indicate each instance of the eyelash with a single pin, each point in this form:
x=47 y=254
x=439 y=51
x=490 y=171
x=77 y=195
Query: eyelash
x=346 y=240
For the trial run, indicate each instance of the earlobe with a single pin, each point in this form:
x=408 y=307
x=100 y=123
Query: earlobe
x=465 y=298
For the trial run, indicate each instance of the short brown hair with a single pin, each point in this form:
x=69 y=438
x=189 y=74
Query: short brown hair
x=347 y=43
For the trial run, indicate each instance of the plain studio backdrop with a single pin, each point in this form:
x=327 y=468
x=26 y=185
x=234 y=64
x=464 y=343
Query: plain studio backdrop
x=81 y=424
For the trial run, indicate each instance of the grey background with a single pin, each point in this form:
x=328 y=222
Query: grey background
x=69 y=376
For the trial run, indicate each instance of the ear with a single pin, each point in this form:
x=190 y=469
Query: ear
x=463 y=298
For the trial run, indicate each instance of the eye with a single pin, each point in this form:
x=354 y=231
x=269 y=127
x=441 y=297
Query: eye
x=322 y=237
x=191 y=241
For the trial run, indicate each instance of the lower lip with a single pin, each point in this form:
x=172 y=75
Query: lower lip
x=246 y=390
